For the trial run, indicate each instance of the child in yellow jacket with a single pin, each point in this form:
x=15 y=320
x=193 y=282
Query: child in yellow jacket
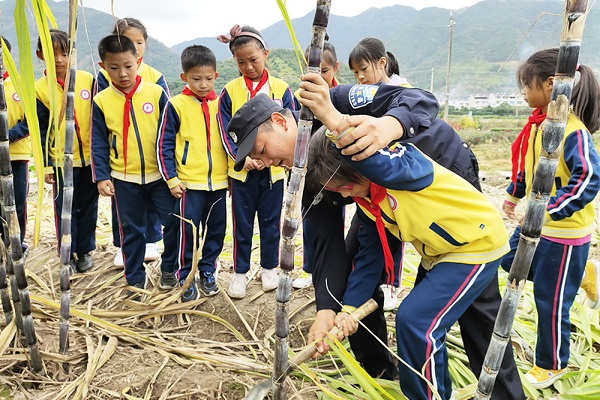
x=193 y=162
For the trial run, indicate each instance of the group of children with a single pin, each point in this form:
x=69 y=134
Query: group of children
x=161 y=160
x=167 y=160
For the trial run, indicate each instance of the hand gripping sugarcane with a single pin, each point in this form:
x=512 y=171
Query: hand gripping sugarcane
x=292 y=207
x=15 y=259
x=65 y=234
x=558 y=111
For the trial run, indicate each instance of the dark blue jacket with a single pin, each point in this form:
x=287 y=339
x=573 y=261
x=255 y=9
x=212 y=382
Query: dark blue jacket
x=417 y=111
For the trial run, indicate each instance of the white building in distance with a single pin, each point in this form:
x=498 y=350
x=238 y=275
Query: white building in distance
x=477 y=101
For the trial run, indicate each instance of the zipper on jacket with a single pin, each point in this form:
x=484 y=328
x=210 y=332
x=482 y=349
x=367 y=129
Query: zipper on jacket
x=114 y=146
x=185 y=152
x=139 y=143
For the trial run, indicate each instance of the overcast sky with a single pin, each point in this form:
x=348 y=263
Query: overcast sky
x=175 y=21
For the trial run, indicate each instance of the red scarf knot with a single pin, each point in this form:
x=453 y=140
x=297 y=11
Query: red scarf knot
x=378 y=193
x=261 y=83
x=126 y=115
x=521 y=143
x=204 y=103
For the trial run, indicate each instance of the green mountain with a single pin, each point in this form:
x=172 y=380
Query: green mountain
x=490 y=39
x=94 y=24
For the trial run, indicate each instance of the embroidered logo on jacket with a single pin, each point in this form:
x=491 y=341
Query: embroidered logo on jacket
x=393 y=202
x=361 y=95
x=15 y=97
x=85 y=94
x=148 y=107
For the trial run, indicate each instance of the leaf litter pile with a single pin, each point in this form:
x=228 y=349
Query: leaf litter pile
x=218 y=348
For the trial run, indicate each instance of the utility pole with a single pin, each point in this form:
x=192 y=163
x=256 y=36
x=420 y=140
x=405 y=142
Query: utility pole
x=431 y=85
x=448 y=69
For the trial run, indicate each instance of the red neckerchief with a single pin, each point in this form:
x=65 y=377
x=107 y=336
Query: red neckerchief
x=77 y=129
x=519 y=146
x=378 y=193
x=5 y=75
x=204 y=102
x=261 y=83
x=126 y=112
x=334 y=82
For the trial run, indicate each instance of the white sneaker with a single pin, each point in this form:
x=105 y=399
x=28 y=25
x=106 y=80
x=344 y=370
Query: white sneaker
x=269 y=279
x=390 y=298
x=237 y=287
x=152 y=252
x=118 y=261
x=302 y=281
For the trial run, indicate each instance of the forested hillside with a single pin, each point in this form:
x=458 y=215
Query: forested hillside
x=485 y=36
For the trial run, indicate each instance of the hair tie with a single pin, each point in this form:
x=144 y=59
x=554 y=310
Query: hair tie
x=577 y=67
x=236 y=32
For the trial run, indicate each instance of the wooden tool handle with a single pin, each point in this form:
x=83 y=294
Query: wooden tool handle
x=307 y=351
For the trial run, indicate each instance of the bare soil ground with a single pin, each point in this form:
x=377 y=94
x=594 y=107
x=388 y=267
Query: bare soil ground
x=213 y=348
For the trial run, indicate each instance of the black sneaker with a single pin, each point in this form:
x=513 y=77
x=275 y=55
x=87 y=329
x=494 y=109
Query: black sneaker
x=191 y=293
x=208 y=284
x=134 y=294
x=168 y=280
x=85 y=262
x=73 y=266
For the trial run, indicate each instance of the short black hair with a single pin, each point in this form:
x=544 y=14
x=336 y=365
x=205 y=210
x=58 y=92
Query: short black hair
x=6 y=43
x=325 y=162
x=116 y=44
x=197 y=56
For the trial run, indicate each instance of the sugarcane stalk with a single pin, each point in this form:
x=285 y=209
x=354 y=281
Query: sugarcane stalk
x=4 y=292
x=16 y=261
x=5 y=157
x=67 y=206
x=292 y=208
x=556 y=120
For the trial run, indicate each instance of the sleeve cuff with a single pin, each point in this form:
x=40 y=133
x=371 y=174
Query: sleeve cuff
x=348 y=309
x=175 y=181
x=512 y=199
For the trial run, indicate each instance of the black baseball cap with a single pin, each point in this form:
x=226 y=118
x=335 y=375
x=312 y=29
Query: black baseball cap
x=244 y=124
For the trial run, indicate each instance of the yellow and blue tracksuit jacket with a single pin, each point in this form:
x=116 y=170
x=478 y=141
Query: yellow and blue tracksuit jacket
x=20 y=142
x=188 y=152
x=147 y=73
x=443 y=216
x=53 y=155
x=233 y=96
x=141 y=166
x=570 y=211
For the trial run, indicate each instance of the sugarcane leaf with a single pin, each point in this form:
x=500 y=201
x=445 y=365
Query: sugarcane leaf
x=6 y=336
x=345 y=389
x=56 y=105
x=24 y=83
x=302 y=62
x=48 y=13
x=366 y=382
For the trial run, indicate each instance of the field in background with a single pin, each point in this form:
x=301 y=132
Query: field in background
x=217 y=348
